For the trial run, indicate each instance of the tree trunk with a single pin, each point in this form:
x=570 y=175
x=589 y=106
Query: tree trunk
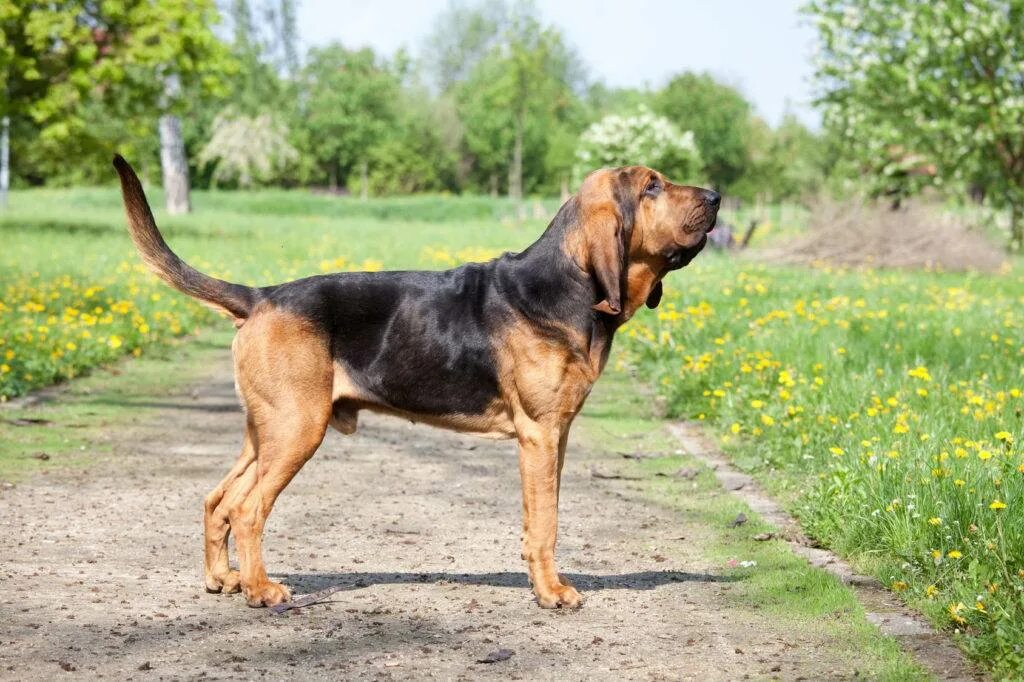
x=1016 y=228
x=332 y=178
x=173 y=165
x=5 y=170
x=172 y=153
x=515 y=170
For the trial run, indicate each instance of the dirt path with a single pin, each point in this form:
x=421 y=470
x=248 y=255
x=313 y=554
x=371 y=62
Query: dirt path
x=101 y=571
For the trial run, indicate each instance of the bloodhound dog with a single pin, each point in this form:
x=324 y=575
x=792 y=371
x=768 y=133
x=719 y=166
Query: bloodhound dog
x=505 y=349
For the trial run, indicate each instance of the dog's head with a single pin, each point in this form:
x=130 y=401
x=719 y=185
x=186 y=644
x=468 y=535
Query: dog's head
x=636 y=226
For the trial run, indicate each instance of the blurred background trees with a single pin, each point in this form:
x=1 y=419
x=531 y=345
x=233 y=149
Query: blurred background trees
x=494 y=100
x=927 y=95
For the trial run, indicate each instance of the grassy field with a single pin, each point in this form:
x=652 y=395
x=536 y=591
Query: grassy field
x=886 y=408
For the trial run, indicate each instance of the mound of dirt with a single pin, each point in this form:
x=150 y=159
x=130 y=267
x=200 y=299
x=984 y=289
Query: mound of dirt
x=872 y=235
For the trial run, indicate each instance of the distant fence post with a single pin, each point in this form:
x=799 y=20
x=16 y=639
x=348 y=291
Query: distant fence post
x=5 y=171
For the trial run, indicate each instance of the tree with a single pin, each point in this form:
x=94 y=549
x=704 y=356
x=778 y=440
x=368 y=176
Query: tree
x=414 y=156
x=522 y=88
x=935 y=86
x=461 y=37
x=80 y=79
x=640 y=138
x=785 y=163
x=173 y=162
x=349 y=99
x=719 y=117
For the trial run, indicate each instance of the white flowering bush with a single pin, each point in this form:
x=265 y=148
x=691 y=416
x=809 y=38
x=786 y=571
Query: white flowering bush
x=247 y=150
x=641 y=138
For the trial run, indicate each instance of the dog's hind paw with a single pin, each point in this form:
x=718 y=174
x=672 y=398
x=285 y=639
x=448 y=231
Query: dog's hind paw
x=227 y=583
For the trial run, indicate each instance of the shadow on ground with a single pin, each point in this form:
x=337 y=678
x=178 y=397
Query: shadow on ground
x=643 y=580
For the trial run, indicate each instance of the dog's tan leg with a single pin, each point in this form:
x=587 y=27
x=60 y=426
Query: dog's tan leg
x=218 y=573
x=539 y=466
x=561 y=462
x=563 y=441
x=283 y=447
x=284 y=376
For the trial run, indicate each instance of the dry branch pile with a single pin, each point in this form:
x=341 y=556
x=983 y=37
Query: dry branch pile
x=916 y=236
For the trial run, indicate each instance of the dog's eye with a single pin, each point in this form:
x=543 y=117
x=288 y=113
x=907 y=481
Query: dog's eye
x=653 y=188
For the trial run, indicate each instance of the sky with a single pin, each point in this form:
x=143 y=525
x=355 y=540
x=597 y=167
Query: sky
x=762 y=47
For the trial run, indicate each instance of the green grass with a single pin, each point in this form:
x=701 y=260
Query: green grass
x=884 y=407
x=783 y=590
x=72 y=425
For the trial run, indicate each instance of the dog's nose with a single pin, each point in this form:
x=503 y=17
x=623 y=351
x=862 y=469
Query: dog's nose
x=712 y=197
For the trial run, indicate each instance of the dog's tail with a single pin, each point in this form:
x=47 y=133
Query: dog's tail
x=235 y=299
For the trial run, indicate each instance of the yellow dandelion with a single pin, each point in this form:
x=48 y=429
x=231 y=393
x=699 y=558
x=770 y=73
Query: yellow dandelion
x=935 y=521
x=920 y=372
x=997 y=504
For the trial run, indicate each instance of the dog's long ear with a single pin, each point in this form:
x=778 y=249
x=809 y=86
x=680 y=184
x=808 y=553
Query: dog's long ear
x=654 y=298
x=609 y=228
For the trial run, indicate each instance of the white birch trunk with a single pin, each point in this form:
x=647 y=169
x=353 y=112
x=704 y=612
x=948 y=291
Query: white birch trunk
x=173 y=163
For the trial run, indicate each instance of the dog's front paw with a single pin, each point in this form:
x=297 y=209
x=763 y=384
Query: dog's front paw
x=558 y=596
x=266 y=594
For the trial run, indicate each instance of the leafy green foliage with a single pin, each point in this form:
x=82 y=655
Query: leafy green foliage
x=80 y=79
x=719 y=117
x=495 y=101
x=414 y=156
x=927 y=94
x=789 y=162
x=522 y=88
x=349 y=106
